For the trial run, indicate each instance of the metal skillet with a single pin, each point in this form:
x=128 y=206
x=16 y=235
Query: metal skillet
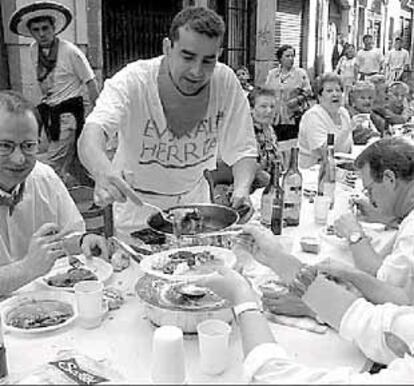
x=215 y=218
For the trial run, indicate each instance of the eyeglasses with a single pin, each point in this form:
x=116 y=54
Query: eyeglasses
x=368 y=189
x=27 y=147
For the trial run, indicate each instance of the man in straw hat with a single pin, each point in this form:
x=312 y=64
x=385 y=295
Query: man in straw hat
x=61 y=71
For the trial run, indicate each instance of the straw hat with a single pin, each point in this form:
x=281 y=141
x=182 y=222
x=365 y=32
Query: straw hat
x=61 y=14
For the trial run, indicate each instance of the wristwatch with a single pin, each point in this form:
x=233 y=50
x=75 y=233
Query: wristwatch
x=355 y=237
x=244 y=307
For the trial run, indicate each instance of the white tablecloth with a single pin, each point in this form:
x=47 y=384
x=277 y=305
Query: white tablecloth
x=125 y=339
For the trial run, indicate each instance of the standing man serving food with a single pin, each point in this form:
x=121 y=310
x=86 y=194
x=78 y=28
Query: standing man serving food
x=62 y=70
x=174 y=114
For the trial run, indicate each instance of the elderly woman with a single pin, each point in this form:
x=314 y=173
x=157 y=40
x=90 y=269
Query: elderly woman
x=292 y=88
x=328 y=116
x=263 y=104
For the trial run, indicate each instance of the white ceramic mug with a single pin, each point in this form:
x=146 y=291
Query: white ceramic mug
x=89 y=300
x=213 y=341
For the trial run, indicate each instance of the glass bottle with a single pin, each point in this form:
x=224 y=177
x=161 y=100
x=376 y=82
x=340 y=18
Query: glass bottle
x=292 y=188
x=327 y=172
x=271 y=209
x=3 y=359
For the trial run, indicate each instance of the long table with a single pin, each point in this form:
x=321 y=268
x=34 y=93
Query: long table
x=125 y=336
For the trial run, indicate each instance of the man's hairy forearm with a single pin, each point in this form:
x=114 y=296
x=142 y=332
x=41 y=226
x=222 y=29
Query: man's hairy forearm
x=376 y=291
x=365 y=257
x=14 y=276
x=243 y=172
x=91 y=149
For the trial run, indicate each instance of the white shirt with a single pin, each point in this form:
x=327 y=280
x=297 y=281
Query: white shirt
x=362 y=323
x=162 y=163
x=66 y=80
x=369 y=61
x=45 y=199
x=398 y=265
x=313 y=129
x=397 y=60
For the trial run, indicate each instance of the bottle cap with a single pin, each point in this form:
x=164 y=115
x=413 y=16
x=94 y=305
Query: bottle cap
x=331 y=139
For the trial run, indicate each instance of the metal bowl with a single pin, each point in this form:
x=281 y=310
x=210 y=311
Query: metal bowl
x=150 y=290
x=215 y=218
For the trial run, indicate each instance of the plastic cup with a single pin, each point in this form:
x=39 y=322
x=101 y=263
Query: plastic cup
x=322 y=204
x=168 y=360
x=89 y=300
x=213 y=341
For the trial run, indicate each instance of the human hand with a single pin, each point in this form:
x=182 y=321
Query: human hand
x=346 y=224
x=366 y=210
x=270 y=250
x=91 y=242
x=45 y=248
x=229 y=285
x=241 y=202
x=335 y=268
x=285 y=304
x=111 y=186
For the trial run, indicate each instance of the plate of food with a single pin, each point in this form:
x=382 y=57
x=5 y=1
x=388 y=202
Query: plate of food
x=38 y=311
x=63 y=276
x=188 y=263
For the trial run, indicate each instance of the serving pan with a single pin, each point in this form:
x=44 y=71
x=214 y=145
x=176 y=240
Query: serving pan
x=214 y=218
x=150 y=290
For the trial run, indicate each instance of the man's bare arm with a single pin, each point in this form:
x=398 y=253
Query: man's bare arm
x=93 y=90
x=374 y=290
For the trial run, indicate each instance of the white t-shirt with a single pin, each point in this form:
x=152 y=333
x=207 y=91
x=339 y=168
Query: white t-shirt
x=398 y=266
x=66 y=80
x=163 y=164
x=365 y=325
x=397 y=60
x=369 y=61
x=313 y=129
x=45 y=199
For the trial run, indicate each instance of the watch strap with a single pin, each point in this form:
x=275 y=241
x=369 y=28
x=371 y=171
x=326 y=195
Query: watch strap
x=243 y=307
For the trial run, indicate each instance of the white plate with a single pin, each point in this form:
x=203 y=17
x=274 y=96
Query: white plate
x=15 y=301
x=102 y=269
x=228 y=258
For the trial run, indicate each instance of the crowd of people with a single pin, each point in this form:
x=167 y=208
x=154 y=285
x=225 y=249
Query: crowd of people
x=184 y=112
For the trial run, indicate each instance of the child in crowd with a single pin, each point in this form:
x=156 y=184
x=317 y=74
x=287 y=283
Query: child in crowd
x=347 y=70
x=361 y=101
x=243 y=75
x=379 y=115
x=397 y=106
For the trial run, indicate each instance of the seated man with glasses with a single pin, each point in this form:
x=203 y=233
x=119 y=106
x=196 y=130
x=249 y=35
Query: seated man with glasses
x=386 y=276
x=36 y=210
